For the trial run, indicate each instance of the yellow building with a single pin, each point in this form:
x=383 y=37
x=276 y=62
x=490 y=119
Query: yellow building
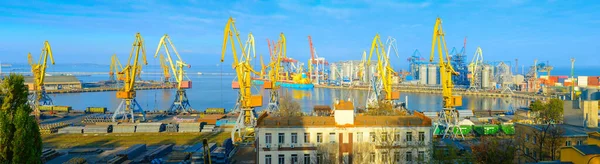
x=529 y=138
x=583 y=153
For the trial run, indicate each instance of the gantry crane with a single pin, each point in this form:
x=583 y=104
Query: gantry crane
x=115 y=67
x=181 y=103
x=475 y=65
x=38 y=70
x=127 y=94
x=247 y=102
x=449 y=115
x=165 y=69
x=385 y=73
x=275 y=67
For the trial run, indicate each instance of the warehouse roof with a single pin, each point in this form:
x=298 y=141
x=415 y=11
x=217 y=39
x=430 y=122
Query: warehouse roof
x=55 y=79
x=271 y=121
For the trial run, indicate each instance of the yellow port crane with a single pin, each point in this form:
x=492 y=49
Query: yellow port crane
x=275 y=67
x=181 y=103
x=115 y=67
x=247 y=102
x=385 y=73
x=127 y=93
x=449 y=115
x=263 y=68
x=38 y=70
x=165 y=69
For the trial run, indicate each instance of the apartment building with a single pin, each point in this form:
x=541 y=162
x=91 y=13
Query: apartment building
x=343 y=138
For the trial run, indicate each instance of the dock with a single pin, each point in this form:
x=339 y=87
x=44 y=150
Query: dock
x=104 y=89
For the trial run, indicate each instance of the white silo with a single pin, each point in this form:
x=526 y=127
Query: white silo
x=485 y=77
x=432 y=75
x=423 y=74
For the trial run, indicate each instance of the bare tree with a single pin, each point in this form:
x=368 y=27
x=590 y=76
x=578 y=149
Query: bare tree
x=494 y=150
x=325 y=153
x=544 y=141
x=288 y=107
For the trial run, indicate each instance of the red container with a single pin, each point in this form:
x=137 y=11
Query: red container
x=593 y=81
x=186 y=84
x=553 y=79
x=235 y=85
x=563 y=77
x=568 y=84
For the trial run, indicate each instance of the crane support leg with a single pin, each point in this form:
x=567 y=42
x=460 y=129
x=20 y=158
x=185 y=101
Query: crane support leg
x=181 y=103
x=126 y=109
x=245 y=121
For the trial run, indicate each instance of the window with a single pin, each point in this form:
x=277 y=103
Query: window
x=281 y=159
x=372 y=136
x=534 y=138
x=281 y=138
x=331 y=137
x=268 y=138
x=294 y=158
x=408 y=136
x=534 y=154
x=306 y=137
x=267 y=159
x=319 y=137
x=526 y=137
x=319 y=157
x=526 y=151
x=421 y=136
x=384 y=136
x=579 y=142
x=397 y=136
x=397 y=157
x=384 y=156
x=306 y=158
x=568 y=143
x=372 y=157
x=421 y=156
x=359 y=136
x=409 y=156
x=294 y=138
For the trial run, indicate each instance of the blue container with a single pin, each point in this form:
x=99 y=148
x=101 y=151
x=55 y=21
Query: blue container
x=409 y=77
x=561 y=80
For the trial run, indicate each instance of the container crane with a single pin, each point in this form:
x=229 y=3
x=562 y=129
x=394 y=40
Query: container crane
x=449 y=115
x=165 y=69
x=127 y=93
x=38 y=70
x=181 y=102
x=384 y=71
x=475 y=65
x=247 y=102
x=275 y=67
x=115 y=67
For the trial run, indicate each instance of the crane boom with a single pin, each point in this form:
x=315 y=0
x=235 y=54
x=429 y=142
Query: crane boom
x=384 y=68
x=38 y=70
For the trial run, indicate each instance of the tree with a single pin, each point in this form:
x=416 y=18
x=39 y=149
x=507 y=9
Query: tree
x=537 y=105
x=542 y=143
x=494 y=150
x=288 y=107
x=550 y=112
x=20 y=140
x=385 y=109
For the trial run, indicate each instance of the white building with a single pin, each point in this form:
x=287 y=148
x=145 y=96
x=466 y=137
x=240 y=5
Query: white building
x=344 y=138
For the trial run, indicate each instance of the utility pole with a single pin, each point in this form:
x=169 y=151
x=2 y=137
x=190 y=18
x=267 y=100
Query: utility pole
x=573 y=79
x=516 y=65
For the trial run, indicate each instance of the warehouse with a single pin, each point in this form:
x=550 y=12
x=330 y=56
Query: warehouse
x=56 y=82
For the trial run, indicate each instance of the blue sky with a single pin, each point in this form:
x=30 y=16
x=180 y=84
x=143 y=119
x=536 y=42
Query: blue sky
x=91 y=31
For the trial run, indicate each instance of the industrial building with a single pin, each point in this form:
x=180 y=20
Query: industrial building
x=56 y=82
x=344 y=137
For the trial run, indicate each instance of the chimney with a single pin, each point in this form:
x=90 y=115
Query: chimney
x=344 y=113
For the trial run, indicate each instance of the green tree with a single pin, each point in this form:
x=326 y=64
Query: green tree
x=537 y=105
x=20 y=140
x=554 y=111
x=494 y=150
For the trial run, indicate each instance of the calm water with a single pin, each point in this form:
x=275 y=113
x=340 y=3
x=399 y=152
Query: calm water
x=215 y=91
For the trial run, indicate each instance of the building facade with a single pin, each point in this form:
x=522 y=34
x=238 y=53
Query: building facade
x=529 y=137
x=344 y=138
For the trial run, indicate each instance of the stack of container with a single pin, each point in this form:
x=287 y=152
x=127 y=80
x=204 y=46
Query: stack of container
x=593 y=81
x=189 y=127
x=71 y=130
x=171 y=127
x=97 y=129
x=124 y=128
x=215 y=111
x=157 y=153
x=582 y=81
x=65 y=109
x=208 y=128
x=133 y=151
x=149 y=127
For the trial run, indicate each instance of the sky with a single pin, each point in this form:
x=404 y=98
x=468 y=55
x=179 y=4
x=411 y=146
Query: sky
x=91 y=31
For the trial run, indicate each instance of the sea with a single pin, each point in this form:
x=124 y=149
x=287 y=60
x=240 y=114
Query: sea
x=212 y=89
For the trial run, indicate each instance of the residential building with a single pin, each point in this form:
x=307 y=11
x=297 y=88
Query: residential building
x=344 y=138
x=589 y=153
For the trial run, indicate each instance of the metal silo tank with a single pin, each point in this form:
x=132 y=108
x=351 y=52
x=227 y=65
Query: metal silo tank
x=346 y=70
x=485 y=77
x=333 y=72
x=432 y=75
x=422 y=74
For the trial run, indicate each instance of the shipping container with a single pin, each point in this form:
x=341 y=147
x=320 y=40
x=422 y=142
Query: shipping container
x=215 y=110
x=568 y=84
x=45 y=107
x=65 y=109
x=95 y=110
x=592 y=81
x=508 y=128
x=256 y=100
x=487 y=129
x=563 y=77
x=186 y=84
x=235 y=85
x=582 y=81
